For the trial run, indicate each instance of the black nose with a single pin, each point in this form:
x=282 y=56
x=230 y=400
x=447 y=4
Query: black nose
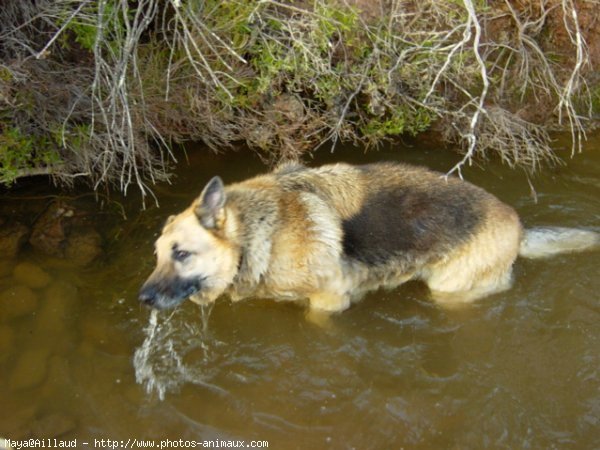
x=147 y=295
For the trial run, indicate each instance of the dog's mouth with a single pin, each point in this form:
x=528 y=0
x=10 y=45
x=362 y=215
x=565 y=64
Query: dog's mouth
x=166 y=294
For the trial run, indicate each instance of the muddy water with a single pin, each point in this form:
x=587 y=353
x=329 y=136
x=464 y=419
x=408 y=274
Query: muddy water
x=520 y=369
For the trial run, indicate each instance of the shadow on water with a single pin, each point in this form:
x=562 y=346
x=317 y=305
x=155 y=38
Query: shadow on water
x=519 y=369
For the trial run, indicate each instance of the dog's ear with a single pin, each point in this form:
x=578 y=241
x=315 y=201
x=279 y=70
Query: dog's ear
x=210 y=205
x=169 y=220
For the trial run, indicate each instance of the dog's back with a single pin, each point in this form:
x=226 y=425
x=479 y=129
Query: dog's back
x=400 y=222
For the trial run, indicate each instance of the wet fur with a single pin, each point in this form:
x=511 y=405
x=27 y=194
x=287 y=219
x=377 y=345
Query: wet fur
x=330 y=234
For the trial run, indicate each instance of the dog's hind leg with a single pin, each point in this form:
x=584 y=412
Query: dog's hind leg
x=480 y=267
x=451 y=288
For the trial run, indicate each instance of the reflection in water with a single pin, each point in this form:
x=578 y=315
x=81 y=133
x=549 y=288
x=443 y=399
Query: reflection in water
x=80 y=358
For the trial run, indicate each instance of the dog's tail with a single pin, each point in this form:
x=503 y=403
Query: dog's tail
x=541 y=242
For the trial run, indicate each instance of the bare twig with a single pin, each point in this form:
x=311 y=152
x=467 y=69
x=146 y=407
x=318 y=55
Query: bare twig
x=471 y=135
x=566 y=99
x=61 y=29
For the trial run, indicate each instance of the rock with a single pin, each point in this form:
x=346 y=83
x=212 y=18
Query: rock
x=6 y=267
x=51 y=321
x=15 y=417
x=64 y=232
x=83 y=246
x=50 y=230
x=12 y=237
x=17 y=301
x=52 y=426
x=30 y=369
x=59 y=299
x=31 y=275
x=59 y=379
x=7 y=339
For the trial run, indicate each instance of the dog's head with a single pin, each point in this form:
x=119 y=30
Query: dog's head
x=194 y=254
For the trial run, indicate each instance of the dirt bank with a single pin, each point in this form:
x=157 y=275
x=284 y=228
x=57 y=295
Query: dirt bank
x=101 y=91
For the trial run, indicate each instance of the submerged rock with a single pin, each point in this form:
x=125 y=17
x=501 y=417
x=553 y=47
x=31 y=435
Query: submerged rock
x=83 y=246
x=50 y=231
x=59 y=379
x=6 y=267
x=12 y=237
x=31 y=275
x=7 y=338
x=64 y=232
x=15 y=416
x=59 y=298
x=17 y=301
x=30 y=369
x=52 y=426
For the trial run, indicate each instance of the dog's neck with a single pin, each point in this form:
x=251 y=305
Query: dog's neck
x=254 y=238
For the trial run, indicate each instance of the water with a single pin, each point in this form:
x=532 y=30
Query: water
x=519 y=369
x=159 y=362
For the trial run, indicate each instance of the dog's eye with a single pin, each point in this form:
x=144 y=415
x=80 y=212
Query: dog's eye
x=181 y=255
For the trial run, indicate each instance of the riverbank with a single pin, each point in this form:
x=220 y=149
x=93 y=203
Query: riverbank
x=102 y=91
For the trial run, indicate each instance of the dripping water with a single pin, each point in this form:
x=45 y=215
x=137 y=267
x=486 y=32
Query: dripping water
x=159 y=361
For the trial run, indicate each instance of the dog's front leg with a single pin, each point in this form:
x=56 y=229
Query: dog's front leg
x=328 y=302
x=323 y=304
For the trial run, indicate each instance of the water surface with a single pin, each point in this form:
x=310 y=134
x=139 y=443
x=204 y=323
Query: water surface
x=519 y=369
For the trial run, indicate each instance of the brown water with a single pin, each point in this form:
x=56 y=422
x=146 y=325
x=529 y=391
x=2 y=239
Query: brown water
x=520 y=369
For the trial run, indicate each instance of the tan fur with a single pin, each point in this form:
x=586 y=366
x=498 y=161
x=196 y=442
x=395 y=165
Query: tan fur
x=483 y=265
x=330 y=234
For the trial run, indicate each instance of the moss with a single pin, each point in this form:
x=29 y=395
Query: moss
x=83 y=28
x=595 y=101
x=20 y=152
x=5 y=74
x=403 y=120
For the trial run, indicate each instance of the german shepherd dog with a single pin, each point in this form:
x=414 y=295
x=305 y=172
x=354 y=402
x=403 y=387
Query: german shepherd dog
x=330 y=234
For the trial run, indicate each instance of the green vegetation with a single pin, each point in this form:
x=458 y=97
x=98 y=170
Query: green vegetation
x=24 y=154
x=102 y=90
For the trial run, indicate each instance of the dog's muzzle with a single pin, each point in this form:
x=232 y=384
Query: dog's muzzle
x=166 y=294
